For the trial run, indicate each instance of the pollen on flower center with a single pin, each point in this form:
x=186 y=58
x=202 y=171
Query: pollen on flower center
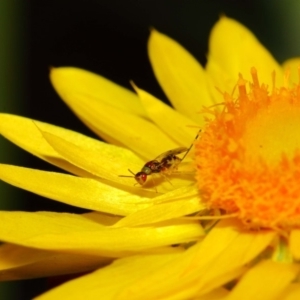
x=248 y=157
x=274 y=129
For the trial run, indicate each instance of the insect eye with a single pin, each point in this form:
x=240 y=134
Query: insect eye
x=141 y=177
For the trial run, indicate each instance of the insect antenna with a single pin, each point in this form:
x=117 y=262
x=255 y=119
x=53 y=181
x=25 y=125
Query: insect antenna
x=128 y=175
x=189 y=149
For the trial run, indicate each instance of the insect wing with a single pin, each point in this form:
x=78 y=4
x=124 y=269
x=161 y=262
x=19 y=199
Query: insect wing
x=172 y=152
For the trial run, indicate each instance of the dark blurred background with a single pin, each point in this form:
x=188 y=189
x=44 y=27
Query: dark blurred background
x=108 y=37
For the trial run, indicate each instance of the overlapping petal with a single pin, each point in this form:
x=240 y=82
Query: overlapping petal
x=233 y=49
x=77 y=191
x=180 y=202
x=88 y=85
x=268 y=280
x=123 y=272
x=32 y=139
x=17 y=262
x=180 y=75
x=119 y=126
x=182 y=130
x=107 y=167
x=195 y=272
x=292 y=292
x=86 y=234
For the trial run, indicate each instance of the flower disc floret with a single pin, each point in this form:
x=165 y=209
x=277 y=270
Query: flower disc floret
x=248 y=157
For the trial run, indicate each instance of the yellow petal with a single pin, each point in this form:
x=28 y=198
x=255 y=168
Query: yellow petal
x=265 y=281
x=105 y=162
x=203 y=267
x=169 y=120
x=108 y=282
x=118 y=276
x=292 y=292
x=26 y=133
x=294 y=243
x=292 y=66
x=81 y=192
x=217 y=294
x=233 y=49
x=180 y=75
x=110 y=162
x=84 y=234
x=226 y=249
x=172 y=276
x=127 y=129
x=17 y=262
x=181 y=202
x=68 y=81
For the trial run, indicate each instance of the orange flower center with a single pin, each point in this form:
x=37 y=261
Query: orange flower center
x=248 y=156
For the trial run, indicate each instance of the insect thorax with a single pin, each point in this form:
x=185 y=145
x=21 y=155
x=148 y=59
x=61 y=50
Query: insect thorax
x=151 y=167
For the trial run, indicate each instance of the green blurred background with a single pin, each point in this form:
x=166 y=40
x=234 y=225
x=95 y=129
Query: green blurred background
x=107 y=37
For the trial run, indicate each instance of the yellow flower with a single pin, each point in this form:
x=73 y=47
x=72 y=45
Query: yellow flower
x=148 y=242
